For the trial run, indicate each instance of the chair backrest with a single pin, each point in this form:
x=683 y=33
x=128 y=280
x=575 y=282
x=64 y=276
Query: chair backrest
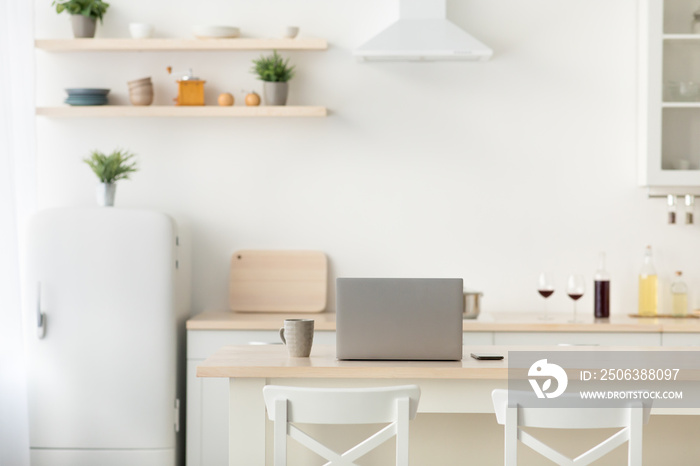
x=513 y=416
x=394 y=405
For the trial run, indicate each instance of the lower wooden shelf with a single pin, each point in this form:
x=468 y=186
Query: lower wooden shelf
x=119 y=111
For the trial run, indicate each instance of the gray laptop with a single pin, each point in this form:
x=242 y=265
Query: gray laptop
x=399 y=318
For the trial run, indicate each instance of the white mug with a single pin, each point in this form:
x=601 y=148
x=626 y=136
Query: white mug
x=298 y=336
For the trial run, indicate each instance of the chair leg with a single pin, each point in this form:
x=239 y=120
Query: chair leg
x=634 y=443
x=511 y=436
x=402 y=409
x=280 y=436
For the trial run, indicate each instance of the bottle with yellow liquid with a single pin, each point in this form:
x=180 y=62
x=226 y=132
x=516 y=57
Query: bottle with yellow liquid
x=679 y=296
x=648 y=287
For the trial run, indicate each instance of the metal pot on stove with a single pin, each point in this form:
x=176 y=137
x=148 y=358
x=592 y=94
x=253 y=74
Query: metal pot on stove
x=472 y=304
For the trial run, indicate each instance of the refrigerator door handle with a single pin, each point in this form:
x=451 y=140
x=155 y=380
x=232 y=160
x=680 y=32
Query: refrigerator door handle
x=177 y=415
x=40 y=316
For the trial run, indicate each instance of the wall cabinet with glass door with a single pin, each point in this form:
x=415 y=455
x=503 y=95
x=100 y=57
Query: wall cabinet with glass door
x=669 y=94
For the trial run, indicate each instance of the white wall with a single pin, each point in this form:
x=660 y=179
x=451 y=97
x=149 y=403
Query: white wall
x=492 y=172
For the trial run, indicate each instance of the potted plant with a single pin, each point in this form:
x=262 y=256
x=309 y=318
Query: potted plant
x=275 y=74
x=84 y=14
x=110 y=169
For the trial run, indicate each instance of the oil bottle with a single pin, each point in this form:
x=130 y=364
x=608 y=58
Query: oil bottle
x=648 y=287
x=679 y=296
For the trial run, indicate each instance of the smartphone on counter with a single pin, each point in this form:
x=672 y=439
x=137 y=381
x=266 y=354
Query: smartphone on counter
x=487 y=356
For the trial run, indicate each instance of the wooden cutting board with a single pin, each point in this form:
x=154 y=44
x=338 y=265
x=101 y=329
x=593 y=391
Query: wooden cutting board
x=278 y=281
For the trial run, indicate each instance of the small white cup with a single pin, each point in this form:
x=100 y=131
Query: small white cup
x=291 y=32
x=140 y=30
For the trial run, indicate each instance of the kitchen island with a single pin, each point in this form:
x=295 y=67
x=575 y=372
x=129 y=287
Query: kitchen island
x=448 y=387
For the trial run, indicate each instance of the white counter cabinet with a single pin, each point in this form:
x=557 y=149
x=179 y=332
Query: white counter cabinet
x=680 y=339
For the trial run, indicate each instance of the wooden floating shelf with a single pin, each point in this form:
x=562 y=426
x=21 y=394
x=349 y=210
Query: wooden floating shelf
x=176 y=45
x=119 y=111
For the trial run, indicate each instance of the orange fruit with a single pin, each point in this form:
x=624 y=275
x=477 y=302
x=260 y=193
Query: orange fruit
x=252 y=99
x=225 y=99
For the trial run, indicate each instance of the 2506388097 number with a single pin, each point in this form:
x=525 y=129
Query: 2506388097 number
x=639 y=374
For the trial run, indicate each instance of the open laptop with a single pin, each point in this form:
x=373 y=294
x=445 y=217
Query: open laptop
x=399 y=318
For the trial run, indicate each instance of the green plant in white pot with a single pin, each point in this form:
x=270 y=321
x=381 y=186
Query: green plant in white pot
x=109 y=169
x=275 y=74
x=84 y=15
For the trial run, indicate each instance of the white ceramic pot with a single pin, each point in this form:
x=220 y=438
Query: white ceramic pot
x=106 y=193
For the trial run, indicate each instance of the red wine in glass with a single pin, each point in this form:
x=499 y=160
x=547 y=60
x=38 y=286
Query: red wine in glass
x=575 y=289
x=545 y=288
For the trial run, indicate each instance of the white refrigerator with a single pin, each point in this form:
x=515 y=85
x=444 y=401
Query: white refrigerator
x=101 y=337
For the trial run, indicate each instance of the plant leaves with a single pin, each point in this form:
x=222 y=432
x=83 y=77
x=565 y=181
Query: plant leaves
x=113 y=167
x=273 y=68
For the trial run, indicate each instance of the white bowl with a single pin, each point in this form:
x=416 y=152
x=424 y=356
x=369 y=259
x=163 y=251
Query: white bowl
x=290 y=32
x=140 y=30
x=209 y=32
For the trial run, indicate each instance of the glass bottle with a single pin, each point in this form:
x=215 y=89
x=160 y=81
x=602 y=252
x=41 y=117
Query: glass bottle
x=671 y=201
x=679 y=296
x=648 y=286
x=602 y=290
x=695 y=24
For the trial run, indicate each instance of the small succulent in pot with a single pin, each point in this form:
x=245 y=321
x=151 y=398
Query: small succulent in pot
x=84 y=14
x=275 y=72
x=109 y=169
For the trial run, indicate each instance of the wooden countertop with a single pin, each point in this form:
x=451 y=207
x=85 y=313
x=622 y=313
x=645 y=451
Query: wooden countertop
x=272 y=361
x=491 y=322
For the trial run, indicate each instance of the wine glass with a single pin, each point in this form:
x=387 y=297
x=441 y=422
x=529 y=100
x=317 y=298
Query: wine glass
x=545 y=288
x=575 y=288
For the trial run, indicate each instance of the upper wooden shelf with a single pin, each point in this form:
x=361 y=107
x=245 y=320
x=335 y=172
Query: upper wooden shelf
x=120 y=111
x=176 y=45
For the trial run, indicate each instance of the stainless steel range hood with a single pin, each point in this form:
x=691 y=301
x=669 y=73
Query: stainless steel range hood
x=423 y=33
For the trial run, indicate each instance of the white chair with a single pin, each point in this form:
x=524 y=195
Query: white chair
x=394 y=405
x=629 y=418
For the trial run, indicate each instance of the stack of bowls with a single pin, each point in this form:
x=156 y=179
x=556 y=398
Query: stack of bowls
x=86 y=96
x=141 y=91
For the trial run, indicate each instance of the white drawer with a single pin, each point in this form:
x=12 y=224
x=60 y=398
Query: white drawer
x=680 y=339
x=477 y=338
x=203 y=343
x=577 y=338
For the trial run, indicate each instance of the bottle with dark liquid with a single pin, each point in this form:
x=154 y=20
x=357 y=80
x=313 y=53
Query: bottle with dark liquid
x=602 y=290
